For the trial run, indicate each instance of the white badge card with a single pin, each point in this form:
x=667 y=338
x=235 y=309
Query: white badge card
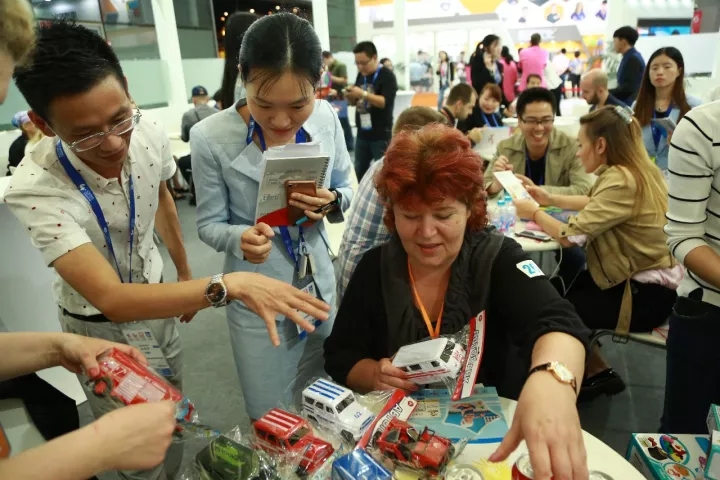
x=365 y=121
x=142 y=338
x=310 y=289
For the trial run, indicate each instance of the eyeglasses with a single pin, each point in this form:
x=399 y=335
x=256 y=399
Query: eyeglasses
x=95 y=140
x=362 y=64
x=545 y=122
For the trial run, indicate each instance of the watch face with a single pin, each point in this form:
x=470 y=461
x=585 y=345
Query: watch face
x=563 y=373
x=215 y=292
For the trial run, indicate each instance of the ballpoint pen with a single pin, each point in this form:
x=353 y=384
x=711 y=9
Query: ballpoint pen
x=323 y=209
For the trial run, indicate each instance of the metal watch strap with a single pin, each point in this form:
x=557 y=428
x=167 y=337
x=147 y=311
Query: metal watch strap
x=217 y=279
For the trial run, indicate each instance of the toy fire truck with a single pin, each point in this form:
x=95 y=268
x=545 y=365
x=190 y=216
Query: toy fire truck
x=403 y=444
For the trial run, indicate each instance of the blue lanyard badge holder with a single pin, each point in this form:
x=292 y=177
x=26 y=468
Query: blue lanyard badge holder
x=136 y=334
x=659 y=132
x=364 y=106
x=301 y=257
x=490 y=121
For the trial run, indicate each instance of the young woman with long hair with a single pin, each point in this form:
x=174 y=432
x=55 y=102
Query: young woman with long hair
x=631 y=277
x=446 y=76
x=662 y=95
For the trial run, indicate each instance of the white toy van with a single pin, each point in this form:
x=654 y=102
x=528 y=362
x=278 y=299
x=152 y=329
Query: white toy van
x=335 y=407
x=430 y=361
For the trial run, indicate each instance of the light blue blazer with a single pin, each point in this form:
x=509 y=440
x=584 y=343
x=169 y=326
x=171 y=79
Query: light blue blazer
x=226 y=173
x=660 y=153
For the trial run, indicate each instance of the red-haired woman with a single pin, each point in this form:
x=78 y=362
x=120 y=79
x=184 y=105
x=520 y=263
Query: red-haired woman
x=441 y=268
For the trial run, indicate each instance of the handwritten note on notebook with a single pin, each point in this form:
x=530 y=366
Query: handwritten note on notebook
x=303 y=161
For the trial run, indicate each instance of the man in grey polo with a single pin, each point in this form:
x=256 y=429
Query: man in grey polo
x=200 y=111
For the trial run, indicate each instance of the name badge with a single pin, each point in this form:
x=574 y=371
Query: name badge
x=365 y=121
x=310 y=289
x=141 y=337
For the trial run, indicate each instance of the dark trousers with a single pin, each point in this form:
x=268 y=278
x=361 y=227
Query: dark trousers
x=365 y=152
x=692 y=381
x=575 y=80
x=572 y=261
x=347 y=131
x=557 y=92
x=185 y=166
x=600 y=309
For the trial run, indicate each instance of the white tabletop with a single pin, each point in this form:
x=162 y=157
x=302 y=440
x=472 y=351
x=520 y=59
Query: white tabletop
x=600 y=457
x=531 y=245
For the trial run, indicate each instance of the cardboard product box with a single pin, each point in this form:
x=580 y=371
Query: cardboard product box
x=668 y=457
x=712 y=468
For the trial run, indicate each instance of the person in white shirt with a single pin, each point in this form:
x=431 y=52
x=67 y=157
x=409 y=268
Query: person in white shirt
x=91 y=196
x=693 y=229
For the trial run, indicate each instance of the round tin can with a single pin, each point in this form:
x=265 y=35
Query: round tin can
x=463 y=472
x=522 y=470
x=595 y=475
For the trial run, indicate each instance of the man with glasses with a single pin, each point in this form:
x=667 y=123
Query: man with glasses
x=542 y=156
x=374 y=96
x=91 y=195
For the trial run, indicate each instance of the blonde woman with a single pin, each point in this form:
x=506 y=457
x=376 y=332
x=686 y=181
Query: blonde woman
x=631 y=278
x=16 y=39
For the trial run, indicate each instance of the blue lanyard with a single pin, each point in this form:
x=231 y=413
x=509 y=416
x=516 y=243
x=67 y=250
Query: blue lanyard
x=658 y=132
x=374 y=78
x=494 y=122
x=82 y=186
x=300 y=137
x=528 y=169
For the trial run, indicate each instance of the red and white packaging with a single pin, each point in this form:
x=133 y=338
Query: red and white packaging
x=398 y=406
x=451 y=359
x=129 y=382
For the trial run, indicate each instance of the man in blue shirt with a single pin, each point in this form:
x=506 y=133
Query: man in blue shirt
x=632 y=65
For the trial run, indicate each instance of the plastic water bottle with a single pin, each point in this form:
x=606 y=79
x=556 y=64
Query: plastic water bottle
x=511 y=216
x=500 y=222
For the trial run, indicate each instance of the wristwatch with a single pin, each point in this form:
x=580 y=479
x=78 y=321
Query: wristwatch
x=216 y=292
x=365 y=93
x=336 y=214
x=561 y=373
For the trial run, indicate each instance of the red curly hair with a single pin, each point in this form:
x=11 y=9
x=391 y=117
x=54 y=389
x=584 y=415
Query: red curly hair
x=428 y=166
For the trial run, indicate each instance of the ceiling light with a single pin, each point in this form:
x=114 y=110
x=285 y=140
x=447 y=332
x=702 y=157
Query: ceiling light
x=277 y=7
x=226 y=14
x=222 y=19
x=252 y=10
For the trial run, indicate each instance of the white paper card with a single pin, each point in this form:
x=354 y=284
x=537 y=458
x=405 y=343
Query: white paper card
x=513 y=185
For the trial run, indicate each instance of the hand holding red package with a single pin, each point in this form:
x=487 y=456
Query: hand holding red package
x=129 y=382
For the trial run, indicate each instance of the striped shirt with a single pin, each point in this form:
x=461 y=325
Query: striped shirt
x=364 y=228
x=694 y=192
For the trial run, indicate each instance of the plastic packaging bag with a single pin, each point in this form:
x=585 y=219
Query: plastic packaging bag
x=291 y=438
x=419 y=450
x=338 y=409
x=229 y=457
x=128 y=382
x=453 y=360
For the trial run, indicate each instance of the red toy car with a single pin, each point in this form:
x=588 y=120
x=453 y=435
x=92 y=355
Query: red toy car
x=401 y=443
x=282 y=432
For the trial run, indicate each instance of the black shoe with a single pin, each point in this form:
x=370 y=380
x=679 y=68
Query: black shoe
x=607 y=382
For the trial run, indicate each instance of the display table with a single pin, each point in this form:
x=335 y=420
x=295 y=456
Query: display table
x=26 y=295
x=600 y=457
x=528 y=244
x=177 y=146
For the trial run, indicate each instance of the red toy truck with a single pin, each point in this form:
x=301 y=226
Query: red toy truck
x=401 y=443
x=282 y=432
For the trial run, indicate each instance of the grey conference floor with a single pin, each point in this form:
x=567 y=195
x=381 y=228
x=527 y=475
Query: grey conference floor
x=211 y=381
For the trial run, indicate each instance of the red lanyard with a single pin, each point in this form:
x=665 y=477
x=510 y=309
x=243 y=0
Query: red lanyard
x=433 y=333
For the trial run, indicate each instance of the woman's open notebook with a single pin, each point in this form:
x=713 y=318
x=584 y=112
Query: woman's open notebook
x=302 y=161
